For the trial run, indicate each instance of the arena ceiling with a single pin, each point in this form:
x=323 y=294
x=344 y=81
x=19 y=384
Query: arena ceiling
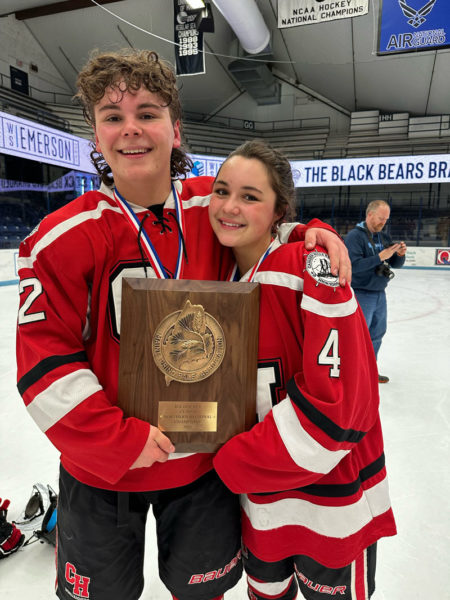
x=334 y=61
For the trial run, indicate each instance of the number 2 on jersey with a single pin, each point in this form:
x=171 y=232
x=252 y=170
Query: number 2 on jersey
x=25 y=315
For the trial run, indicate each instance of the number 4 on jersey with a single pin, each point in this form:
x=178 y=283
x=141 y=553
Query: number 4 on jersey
x=329 y=355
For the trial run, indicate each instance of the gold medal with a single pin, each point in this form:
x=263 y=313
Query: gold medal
x=188 y=345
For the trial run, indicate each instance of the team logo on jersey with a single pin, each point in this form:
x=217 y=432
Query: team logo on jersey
x=188 y=345
x=416 y=17
x=318 y=265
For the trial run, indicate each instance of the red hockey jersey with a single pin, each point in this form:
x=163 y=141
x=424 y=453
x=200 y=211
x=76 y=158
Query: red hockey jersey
x=70 y=271
x=312 y=471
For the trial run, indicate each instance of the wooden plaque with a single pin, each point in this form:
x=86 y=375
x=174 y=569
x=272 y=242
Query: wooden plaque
x=188 y=358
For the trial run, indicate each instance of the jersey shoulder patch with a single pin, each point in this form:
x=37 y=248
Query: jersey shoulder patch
x=318 y=265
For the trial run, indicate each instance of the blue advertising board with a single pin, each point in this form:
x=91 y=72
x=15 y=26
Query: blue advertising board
x=413 y=25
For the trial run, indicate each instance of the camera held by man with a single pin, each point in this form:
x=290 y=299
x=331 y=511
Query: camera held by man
x=384 y=270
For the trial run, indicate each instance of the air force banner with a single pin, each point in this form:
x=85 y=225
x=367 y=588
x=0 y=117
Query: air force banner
x=306 y=12
x=413 y=25
x=189 y=55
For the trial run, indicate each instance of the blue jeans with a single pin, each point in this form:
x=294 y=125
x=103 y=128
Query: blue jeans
x=373 y=305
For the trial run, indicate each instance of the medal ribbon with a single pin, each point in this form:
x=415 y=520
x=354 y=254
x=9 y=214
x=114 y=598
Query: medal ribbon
x=152 y=255
x=234 y=275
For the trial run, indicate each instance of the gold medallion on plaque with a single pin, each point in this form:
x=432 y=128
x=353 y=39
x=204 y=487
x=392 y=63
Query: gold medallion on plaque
x=188 y=345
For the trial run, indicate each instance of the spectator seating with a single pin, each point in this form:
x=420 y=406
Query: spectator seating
x=21 y=105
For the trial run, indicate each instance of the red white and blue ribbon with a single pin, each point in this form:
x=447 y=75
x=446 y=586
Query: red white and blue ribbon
x=150 y=250
x=234 y=275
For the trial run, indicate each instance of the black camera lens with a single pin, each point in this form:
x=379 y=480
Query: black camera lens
x=384 y=270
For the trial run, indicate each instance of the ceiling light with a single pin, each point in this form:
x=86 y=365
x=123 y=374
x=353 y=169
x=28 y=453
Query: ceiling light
x=204 y=20
x=195 y=4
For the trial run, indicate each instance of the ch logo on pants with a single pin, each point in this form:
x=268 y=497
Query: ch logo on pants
x=80 y=582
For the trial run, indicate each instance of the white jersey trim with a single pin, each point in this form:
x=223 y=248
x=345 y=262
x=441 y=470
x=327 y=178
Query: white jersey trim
x=62 y=396
x=304 y=450
x=284 y=231
x=106 y=190
x=197 y=201
x=274 y=588
x=342 y=309
x=293 y=282
x=58 y=230
x=330 y=521
x=177 y=455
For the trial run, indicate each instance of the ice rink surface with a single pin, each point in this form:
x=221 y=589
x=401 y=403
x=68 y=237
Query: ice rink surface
x=415 y=411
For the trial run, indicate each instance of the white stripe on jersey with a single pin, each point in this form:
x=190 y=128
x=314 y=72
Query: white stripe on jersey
x=176 y=455
x=274 y=588
x=62 y=396
x=293 y=282
x=197 y=201
x=304 y=450
x=342 y=309
x=284 y=231
x=116 y=288
x=330 y=521
x=58 y=230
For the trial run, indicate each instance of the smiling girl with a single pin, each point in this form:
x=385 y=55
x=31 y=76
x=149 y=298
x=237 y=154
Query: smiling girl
x=311 y=473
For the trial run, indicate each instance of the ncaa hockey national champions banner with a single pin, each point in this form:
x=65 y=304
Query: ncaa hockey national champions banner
x=413 y=25
x=306 y=12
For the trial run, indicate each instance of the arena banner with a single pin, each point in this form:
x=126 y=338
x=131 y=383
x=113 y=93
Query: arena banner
x=433 y=168
x=70 y=182
x=34 y=141
x=189 y=55
x=379 y=170
x=413 y=25
x=422 y=257
x=205 y=165
x=306 y=12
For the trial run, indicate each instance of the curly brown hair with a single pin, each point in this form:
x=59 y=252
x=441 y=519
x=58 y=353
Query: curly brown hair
x=128 y=70
x=279 y=172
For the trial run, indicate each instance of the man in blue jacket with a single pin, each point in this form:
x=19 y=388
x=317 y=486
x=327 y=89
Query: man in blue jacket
x=372 y=254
